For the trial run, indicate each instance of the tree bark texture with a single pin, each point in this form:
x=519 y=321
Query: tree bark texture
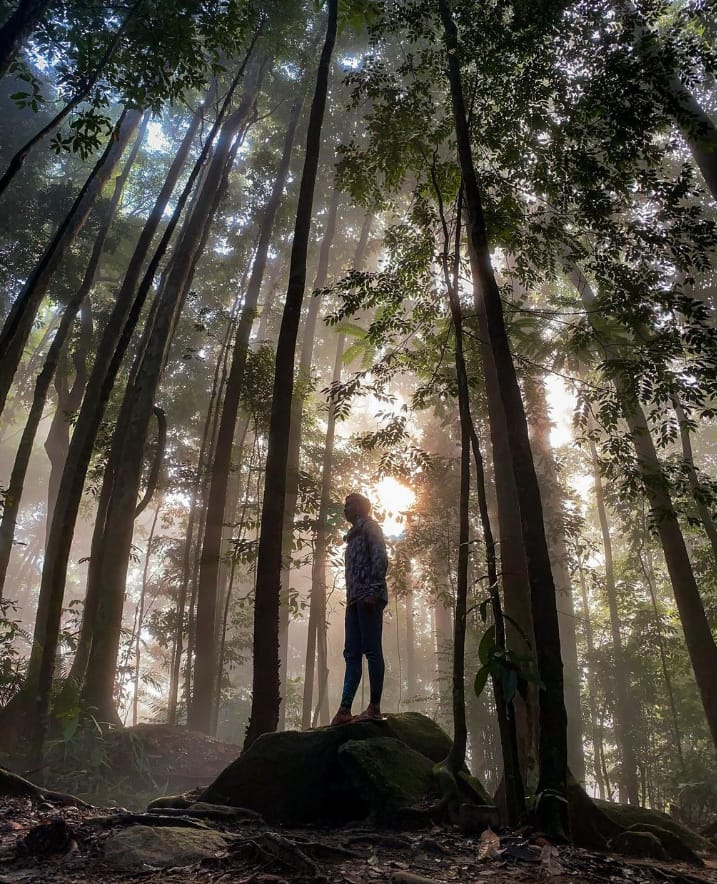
x=265 y=682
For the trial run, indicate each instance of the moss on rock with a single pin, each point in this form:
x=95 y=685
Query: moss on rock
x=386 y=773
x=630 y=816
x=296 y=778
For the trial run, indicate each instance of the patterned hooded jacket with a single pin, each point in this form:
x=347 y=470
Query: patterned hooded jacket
x=366 y=562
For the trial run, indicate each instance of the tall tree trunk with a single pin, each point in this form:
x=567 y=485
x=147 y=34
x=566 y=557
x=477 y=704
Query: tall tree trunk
x=18 y=28
x=192 y=537
x=411 y=672
x=27 y=712
x=294 y=453
x=140 y=617
x=698 y=636
x=648 y=570
x=57 y=441
x=696 y=126
x=206 y=651
x=699 y=493
x=539 y=425
x=19 y=322
x=621 y=676
x=112 y=538
x=551 y=811
x=18 y=159
x=69 y=399
x=316 y=634
x=595 y=731
x=265 y=681
x=515 y=798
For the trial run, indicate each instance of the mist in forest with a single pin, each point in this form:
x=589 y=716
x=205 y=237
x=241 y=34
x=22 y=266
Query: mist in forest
x=476 y=286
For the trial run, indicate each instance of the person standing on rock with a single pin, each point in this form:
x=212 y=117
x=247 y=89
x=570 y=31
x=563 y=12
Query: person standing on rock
x=366 y=597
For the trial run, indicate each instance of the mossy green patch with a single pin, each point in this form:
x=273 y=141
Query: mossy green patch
x=386 y=773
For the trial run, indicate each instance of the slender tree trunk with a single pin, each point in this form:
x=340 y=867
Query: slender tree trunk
x=69 y=399
x=539 y=424
x=621 y=675
x=698 y=636
x=18 y=28
x=515 y=798
x=411 y=673
x=58 y=437
x=18 y=160
x=696 y=126
x=698 y=492
x=140 y=617
x=648 y=571
x=192 y=538
x=443 y=630
x=19 y=322
x=595 y=733
x=551 y=811
x=113 y=534
x=265 y=684
x=27 y=712
x=206 y=655
x=316 y=636
x=294 y=453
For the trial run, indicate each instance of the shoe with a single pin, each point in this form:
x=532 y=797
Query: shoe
x=342 y=718
x=370 y=715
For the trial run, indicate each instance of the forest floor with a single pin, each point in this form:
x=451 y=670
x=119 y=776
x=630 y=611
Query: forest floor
x=45 y=841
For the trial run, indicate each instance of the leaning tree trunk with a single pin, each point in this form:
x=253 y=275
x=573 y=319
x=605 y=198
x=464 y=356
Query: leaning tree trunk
x=265 y=681
x=27 y=713
x=695 y=125
x=699 y=493
x=18 y=28
x=19 y=322
x=620 y=674
x=207 y=592
x=113 y=344
x=698 y=636
x=539 y=424
x=18 y=159
x=294 y=454
x=551 y=811
x=112 y=539
x=58 y=436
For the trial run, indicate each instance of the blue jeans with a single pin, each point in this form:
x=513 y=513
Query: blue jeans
x=364 y=625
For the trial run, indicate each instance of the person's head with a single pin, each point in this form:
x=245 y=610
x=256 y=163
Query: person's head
x=356 y=507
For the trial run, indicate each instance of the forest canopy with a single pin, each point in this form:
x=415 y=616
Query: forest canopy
x=456 y=256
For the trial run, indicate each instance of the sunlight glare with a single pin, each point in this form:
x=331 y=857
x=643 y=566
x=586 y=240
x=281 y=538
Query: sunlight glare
x=393 y=498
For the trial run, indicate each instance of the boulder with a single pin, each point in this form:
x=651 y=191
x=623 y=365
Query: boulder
x=143 y=847
x=296 y=778
x=386 y=773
